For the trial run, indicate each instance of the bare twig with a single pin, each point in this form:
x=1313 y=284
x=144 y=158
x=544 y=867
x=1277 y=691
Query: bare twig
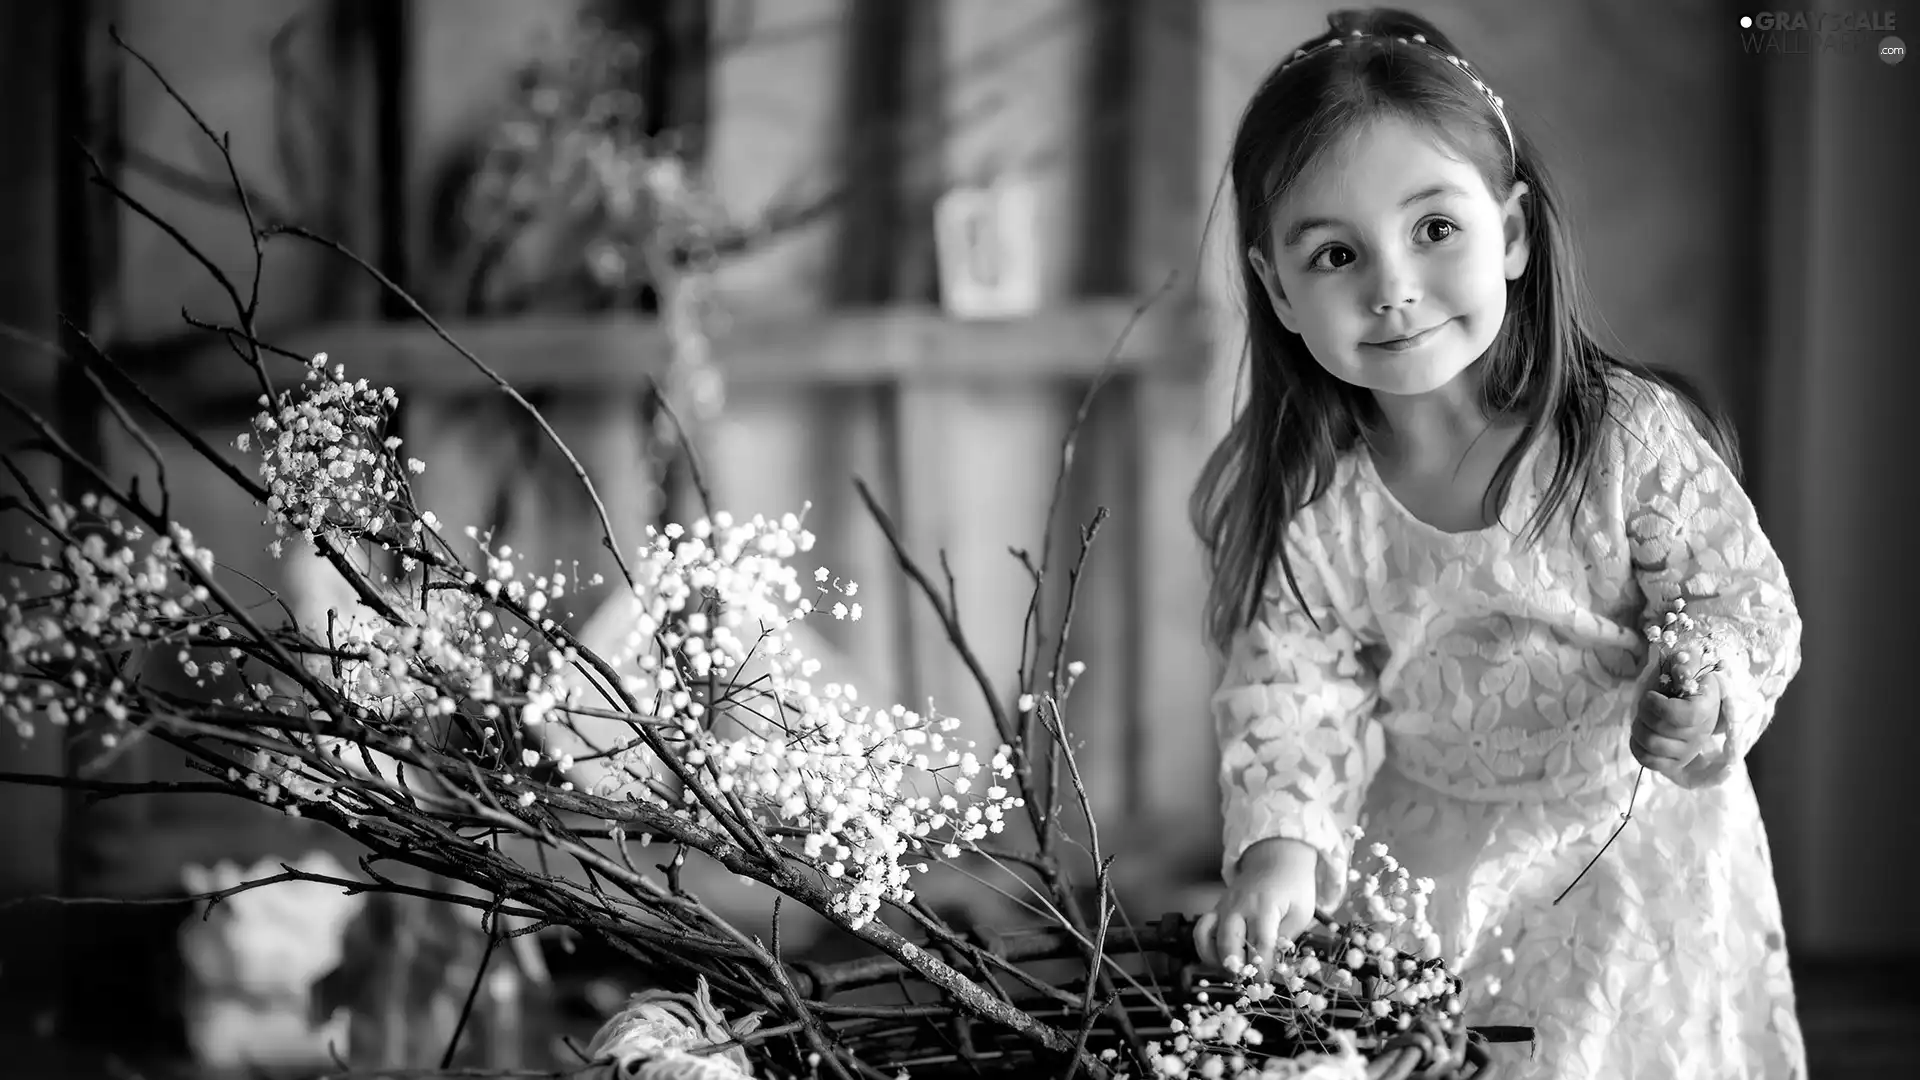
x=117 y=787
x=611 y=543
x=1068 y=444
x=1625 y=816
x=955 y=635
x=695 y=472
x=223 y=144
x=473 y=994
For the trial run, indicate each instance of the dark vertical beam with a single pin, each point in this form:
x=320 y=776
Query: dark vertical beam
x=79 y=221
x=85 y=104
x=917 y=136
x=1117 y=84
x=1748 y=147
x=77 y=405
x=390 y=30
x=33 y=857
x=688 y=88
x=349 y=135
x=872 y=212
x=1747 y=363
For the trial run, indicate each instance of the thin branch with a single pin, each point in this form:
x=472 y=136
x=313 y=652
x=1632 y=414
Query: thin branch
x=952 y=626
x=1068 y=445
x=684 y=437
x=1625 y=816
x=110 y=788
x=606 y=523
x=223 y=144
x=473 y=995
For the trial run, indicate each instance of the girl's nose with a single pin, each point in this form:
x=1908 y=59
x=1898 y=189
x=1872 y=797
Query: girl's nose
x=1394 y=286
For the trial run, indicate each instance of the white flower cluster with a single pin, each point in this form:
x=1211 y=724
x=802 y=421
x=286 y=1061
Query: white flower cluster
x=802 y=757
x=1688 y=649
x=1359 y=982
x=102 y=598
x=457 y=644
x=1396 y=906
x=322 y=458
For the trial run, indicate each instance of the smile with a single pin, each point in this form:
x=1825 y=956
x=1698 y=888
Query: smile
x=1403 y=344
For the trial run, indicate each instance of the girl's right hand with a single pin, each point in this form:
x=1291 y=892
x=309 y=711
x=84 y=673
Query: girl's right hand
x=1270 y=901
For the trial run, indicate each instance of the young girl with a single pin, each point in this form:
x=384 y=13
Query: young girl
x=1436 y=534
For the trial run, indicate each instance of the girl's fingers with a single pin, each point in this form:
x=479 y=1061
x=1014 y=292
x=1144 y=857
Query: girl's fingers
x=1262 y=936
x=1233 y=941
x=1666 y=767
x=1203 y=939
x=1691 y=727
x=1648 y=745
x=1678 y=716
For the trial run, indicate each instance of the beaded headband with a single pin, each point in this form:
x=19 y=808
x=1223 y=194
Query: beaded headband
x=1499 y=108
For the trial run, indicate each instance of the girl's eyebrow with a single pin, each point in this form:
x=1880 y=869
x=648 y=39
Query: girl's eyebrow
x=1306 y=225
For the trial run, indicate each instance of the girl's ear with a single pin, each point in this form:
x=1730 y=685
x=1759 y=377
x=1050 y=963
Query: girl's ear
x=1270 y=282
x=1513 y=221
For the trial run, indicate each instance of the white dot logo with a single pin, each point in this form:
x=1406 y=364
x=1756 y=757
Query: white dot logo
x=1746 y=22
x=1892 y=50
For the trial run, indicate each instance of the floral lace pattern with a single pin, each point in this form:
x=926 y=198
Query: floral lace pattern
x=1466 y=699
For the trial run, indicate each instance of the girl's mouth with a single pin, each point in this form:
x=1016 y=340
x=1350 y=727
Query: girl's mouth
x=1413 y=341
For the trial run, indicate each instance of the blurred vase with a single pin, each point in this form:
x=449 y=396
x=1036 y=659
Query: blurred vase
x=251 y=963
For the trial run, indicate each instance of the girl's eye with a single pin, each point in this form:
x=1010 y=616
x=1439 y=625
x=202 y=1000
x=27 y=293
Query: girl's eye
x=1331 y=258
x=1438 y=229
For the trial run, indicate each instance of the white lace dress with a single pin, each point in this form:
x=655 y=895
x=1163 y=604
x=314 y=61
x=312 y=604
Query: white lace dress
x=1469 y=705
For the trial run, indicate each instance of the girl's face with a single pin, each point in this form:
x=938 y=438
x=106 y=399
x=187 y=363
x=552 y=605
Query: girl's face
x=1391 y=258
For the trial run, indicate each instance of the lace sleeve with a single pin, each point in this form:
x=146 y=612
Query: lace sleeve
x=1695 y=536
x=1293 y=714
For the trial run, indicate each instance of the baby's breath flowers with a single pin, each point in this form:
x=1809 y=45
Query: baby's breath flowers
x=1688 y=649
x=864 y=790
x=1340 y=992
x=100 y=598
x=326 y=462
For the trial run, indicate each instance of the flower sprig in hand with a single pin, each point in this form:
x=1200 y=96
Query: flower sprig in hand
x=1679 y=724
x=1680 y=727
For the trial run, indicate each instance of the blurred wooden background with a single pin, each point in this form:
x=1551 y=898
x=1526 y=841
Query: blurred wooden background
x=1729 y=206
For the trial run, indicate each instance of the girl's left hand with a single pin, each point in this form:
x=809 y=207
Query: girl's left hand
x=1670 y=732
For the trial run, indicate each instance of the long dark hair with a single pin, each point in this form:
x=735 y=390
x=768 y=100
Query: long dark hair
x=1279 y=454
